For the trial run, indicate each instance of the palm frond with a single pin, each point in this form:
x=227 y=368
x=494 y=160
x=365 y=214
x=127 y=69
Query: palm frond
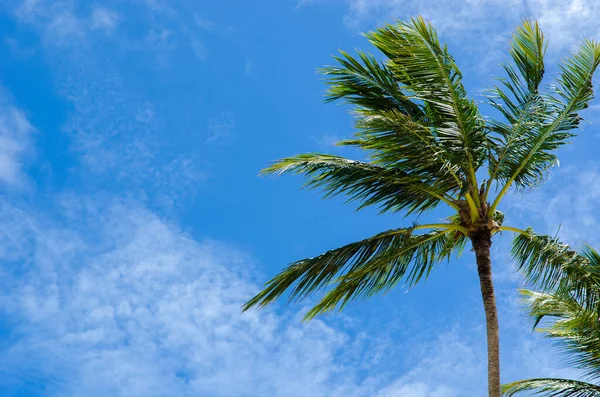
x=543 y=305
x=552 y=387
x=545 y=262
x=388 y=188
x=518 y=99
x=574 y=328
x=368 y=84
x=360 y=269
x=425 y=68
x=391 y=126
x=394 y=140
x=411 y=262
x=530 y=160
x=583 y=283
x=552 y=266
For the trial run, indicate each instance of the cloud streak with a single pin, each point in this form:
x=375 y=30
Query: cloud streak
x=15 y=143
x=137 y=308
x=565 y=21
x=122 y=135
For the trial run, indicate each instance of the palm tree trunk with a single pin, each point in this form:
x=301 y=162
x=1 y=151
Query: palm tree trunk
x=482 y=242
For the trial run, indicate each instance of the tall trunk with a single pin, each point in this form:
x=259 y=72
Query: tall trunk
x=482 y=242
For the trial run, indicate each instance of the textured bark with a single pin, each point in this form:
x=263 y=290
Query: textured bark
x=482 y=242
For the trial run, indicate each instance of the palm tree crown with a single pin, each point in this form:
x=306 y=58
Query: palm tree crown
x=428 y=144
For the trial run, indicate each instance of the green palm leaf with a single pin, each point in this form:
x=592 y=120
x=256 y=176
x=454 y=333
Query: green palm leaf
x=390 y=189
x=572 y=306
x=361 y=269
x=550 y=265
x=368 y=84
x=575 y=328
x=391 y=126
x=552 y=387
x=551 y=118
x=544 y=260
x=518 y=99
x=426 y=69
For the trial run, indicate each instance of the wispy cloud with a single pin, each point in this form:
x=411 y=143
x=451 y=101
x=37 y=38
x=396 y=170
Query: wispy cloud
x=15 y=142
x=565 y=21
x=203 y=23
x=435 y=367
x=104 y=19
x=118 y=301
x=199 y=49
x=327 y=141
x=17 y=50
x=221 y=128
x=120 y=134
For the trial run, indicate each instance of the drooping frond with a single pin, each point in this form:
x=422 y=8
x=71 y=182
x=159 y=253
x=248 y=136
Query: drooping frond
x=425 y=69
x=369 y=85
x=583 y=283
x=545 y=261
x=560 y=112
x=556 y=305
x=552 y=387
x=552 y=266
x=362 y=268
x=520 y=102
x=574 y=328
x=412 y=262
x=389 y=188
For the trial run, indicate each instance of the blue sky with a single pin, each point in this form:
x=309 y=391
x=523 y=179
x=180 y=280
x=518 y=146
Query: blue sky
x=133 y=223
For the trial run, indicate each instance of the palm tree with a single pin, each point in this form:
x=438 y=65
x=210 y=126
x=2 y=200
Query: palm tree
x=428 y=147
x=574 y=309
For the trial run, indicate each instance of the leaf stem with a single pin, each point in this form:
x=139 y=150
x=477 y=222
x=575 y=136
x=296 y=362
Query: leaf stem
x=472 y=208
x=474 y=181
x=514 y=229
x=449 y=226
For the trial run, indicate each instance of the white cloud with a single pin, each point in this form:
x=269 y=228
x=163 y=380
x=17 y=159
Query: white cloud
x=111 y=299
x=15 y=142
x=564 y=21
x=120 y=135
x=327 y=141
x=104 y=19
x=416 y=390
x=114 y=300
x=220 y=128
x=160 y=38
x=199 y=49
x=437 y=362
x=17 y=50
x=204 y=24
x=59 y=21
x=64 y=26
